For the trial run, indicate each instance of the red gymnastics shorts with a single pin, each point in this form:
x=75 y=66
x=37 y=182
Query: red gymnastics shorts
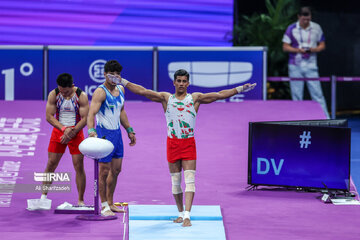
x=56 y=147
x=180 y=149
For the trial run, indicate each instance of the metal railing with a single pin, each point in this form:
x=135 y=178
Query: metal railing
x=333 y=79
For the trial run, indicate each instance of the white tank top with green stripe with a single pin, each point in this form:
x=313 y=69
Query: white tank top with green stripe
x=180 y=117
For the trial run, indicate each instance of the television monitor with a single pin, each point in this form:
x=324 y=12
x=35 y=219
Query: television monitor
x=309 y=154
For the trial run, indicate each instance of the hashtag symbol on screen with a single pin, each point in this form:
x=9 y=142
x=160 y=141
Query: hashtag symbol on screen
x=305 y=139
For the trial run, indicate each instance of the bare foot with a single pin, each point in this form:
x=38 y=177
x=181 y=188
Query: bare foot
x=81 y=203
x=116 y=209
x=186 y=223
x=107 y=212
x=178 y=220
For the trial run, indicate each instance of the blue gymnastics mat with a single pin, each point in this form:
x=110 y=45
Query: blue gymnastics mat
x=154 y=222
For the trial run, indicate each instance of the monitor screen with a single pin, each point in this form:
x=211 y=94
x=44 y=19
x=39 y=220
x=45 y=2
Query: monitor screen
x=295 y=155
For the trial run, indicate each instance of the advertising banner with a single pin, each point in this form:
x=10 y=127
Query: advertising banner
x=86 y=65
x=21 y=69
x=214 y=69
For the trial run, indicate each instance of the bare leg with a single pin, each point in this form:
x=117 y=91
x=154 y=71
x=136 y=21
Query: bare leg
x=78 y=162
x=189 y=196
x=111 y=182
x=179 y=202
x=53 y=162
x=103 y=175
x=174 y=168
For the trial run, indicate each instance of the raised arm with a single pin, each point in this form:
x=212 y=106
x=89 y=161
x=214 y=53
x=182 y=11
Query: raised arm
x=98 y=98
x=200 y=98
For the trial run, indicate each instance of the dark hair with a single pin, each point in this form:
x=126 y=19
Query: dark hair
x=64 y=80
x=112 y=66
x=305 y=11
x=181 y=72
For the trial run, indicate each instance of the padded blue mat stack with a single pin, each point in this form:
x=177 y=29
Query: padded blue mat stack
x=155 y=222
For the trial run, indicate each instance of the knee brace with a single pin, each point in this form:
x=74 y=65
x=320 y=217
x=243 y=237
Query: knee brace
x=189 y=180
x=176 y=183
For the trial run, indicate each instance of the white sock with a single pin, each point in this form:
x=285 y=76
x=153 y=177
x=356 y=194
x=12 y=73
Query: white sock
x=43 y=196
x=106 y=207
x=181 y=214
x=104 y=204
x=187 y=215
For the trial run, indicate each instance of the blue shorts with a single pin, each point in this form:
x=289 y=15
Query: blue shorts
x=115 y=137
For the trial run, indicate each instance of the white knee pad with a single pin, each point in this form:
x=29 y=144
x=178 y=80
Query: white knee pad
x=189 y=180
x=176 y=183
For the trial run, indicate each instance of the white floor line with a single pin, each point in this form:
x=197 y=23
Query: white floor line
x=124 y=223
x=124 y=234
x=124 y=215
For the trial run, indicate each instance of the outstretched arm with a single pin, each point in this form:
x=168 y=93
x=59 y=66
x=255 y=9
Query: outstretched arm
x=214 y=96
x=140 y=90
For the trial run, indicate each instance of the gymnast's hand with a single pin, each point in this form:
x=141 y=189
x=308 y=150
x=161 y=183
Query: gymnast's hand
x=114 y=78
x=117 y=79
x=132 y=139
x=71 y=133
x=64 y=139
x=93 y=134
x=247 y=87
